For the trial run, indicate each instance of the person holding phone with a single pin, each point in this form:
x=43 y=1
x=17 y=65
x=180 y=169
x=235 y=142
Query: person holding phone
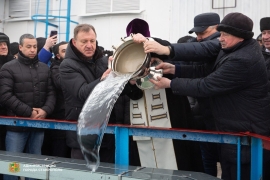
x=45 y=53
x=53 y=33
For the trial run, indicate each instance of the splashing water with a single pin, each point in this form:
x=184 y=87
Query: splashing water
x=95 y=115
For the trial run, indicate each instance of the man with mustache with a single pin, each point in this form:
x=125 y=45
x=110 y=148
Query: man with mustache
x=55 y=140
x=237 y=87
x=83 y=67
x=5 y=56
x=205 y=25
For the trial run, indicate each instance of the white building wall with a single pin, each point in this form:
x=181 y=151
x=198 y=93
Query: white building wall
x=168 y=19
x=2 y=15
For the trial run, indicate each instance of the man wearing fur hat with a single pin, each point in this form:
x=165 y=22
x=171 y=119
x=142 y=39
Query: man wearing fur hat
x=265 y=29
x=237 y=88
x=5 y=56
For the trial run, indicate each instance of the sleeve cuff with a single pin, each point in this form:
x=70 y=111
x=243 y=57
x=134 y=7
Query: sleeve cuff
x=177 y=71
x=28 y=113
x=172 y=53
x=44 y=56
x=174 y=86
x=47 y=110
x=171 y=85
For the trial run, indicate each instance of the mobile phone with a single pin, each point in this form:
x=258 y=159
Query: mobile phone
x=53 y=32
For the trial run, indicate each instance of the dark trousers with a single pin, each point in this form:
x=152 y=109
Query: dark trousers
x=3 y=132
x=76 y=153
x=228 y=161
x=54 y=143
x=209 y=151
x=209 y=157
x=134 y=158
x=229 y=171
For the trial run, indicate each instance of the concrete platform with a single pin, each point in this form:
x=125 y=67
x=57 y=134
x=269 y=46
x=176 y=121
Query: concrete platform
x=47 y=167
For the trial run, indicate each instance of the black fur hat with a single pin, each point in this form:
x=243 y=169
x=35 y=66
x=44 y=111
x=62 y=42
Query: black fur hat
x=40 y=43
x=237 y=24
x=265 y=23
x=14 y=48
x=4 y=38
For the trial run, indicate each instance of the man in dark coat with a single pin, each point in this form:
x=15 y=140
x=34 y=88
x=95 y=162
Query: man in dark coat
x=82 y=69
x=5 y=57
x=26 y=91
x=265 y=35
x=55 y=140
x=205 y=25
x=237 y=87
x=265 y=29
x=59 y=51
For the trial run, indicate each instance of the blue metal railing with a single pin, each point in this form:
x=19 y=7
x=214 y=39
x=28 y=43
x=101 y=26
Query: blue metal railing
x=122 y=133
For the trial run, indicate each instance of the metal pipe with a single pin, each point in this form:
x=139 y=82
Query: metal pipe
x=68 y=21
x=121 y=144
x=47 y=17
x=238 y=158
x=256 y=158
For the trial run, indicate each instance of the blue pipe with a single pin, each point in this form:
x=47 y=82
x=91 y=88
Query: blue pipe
x=52 y=16
x=256 y=158
x=47 y=18
x=59 y=26
x=238 y=158
x=68 y=21
x=50 y=24
x=121 y=144
x=35 y=27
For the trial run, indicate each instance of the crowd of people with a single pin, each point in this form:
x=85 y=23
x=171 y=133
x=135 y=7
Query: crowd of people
x=218 y=80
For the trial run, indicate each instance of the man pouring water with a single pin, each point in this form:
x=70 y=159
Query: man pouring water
x=82 y=69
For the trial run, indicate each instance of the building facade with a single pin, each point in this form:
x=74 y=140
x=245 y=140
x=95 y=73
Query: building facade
x=168 y=19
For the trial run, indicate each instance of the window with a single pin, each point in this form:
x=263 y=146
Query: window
x=19 y=8
x=98 y=6
x=222 y=4
x=27 y=8
x=39 y=6
x=123 y=5
x=111 y=6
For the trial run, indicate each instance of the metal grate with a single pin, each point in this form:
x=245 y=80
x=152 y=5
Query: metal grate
x=108 y=6
x=19 y=8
